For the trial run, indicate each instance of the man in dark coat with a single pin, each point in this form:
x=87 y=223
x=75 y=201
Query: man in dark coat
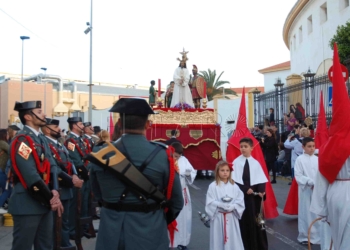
x=173 y=138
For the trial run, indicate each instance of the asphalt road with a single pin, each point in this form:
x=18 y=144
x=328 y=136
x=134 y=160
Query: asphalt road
x=282 y=231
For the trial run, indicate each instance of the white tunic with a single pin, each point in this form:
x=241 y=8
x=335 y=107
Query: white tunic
x=333 y=201
x=182 y=92
x=305 y=170
x=224 y=235
x=184 y=220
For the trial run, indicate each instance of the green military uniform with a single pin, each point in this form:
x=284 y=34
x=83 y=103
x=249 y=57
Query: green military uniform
x=136 y=229
x=33 y=221
x=61 y=156
x=152 y=95
x=74 y=144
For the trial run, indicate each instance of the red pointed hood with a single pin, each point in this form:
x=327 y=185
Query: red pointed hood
x=111 y=125
x=332 y=157
x=233 y=151
x=321 y=135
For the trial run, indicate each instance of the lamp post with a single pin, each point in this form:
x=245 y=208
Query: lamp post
x=44 y=69
x=87 y=31
x=279 y=85
x=22 y=38
x=309 y=81
x=256 y=93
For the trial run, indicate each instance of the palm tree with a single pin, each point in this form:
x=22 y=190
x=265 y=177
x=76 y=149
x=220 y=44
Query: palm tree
x=214 y=86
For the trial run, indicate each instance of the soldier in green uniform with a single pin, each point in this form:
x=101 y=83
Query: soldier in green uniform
x=77 y=152
x=87 y=137
x=152 y=94
x=68 y=176
x=32 y=202
x=130 y=221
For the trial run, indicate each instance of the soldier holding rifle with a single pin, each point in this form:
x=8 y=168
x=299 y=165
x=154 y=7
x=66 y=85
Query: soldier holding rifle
x=132 y=216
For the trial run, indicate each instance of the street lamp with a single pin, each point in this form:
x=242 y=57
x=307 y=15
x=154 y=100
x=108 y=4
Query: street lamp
x=87 y=31
x=22 y=38
x=309 y=80
x=256 y=93
x=44 y=69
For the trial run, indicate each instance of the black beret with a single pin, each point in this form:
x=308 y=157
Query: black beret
x=87 y=124
x=21 y=106
x=74 y=119
x=132 y=106
x=50 y=121
x=14 y=127
x=97 y=129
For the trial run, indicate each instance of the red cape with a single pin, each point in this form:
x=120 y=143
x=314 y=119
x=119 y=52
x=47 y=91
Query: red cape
x=291 y=206
x=233 y=152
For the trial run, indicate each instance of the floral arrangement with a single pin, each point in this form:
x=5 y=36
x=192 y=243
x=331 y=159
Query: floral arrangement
x=159 y=104
x=183 y=106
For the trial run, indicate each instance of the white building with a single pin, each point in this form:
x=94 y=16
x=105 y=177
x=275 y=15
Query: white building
x=308 y=28
x=272 y=73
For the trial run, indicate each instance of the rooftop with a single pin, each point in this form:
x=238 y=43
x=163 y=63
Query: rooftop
x=277 y=67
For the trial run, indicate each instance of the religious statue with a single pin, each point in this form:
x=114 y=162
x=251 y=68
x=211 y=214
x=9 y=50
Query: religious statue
x=169 y=94
x=152 y=94
x=182 y=97
x=198 y=87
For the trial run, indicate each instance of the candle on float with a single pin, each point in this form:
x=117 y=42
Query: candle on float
x=159 y=85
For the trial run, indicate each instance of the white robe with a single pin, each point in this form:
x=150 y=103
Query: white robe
x=184 y=220
x=182 y=92
x=217 y=223
x=333 y=201
x=305 y=170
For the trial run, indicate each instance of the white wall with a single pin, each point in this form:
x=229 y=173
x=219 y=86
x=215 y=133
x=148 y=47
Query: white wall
x=227 y=110
x=271 y=78
x=314 y=48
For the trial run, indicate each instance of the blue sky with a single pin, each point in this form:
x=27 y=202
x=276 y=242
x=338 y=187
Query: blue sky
x=137 y=41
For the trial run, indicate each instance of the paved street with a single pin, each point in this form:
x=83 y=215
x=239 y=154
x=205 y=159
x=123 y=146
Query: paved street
x=282 y=231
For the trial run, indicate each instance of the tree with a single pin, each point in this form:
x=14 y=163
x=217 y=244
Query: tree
x=214 y=86
x=342 y=38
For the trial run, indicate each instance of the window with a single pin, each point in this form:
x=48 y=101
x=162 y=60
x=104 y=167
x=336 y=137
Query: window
x=294 y=41
x=343 y=4
x=300 y=34
x=309 y=24
x=323 y=13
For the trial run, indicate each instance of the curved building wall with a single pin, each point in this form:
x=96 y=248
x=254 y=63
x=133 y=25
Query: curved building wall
x=311 y=31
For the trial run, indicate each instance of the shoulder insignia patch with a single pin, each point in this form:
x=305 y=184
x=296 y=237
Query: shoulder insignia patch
x=24 y=151
x=71 y=146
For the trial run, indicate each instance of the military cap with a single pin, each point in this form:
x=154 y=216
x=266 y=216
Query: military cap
x=14 y=127
x=132 y=106
x=87 y=124
x=97 y=129
x=22 y=106
x=50 y=121
x=74 y=119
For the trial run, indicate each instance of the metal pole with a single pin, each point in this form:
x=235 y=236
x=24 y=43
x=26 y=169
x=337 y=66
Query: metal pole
x=22 y=72
x=90 y=77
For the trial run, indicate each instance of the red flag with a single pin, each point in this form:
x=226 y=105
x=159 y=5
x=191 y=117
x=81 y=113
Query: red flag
x=111 y=125
x=321 y=138
x=233 y=151
x=331 y=158
x=321 y=135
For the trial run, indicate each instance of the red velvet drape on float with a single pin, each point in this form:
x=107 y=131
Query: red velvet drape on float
x=321 y=138
x=233 y=151
x=201 y=142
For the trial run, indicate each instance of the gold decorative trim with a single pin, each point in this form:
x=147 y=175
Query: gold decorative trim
x=196 y=134
x=216 y=154
x=184 y=118
x=194 y=144
x=168 y=133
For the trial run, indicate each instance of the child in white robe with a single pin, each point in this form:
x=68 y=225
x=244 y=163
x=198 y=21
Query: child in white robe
x=305 y=169
x=224 y=213
x=184 y=221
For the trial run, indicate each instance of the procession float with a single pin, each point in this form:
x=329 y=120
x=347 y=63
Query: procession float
x=187 y=113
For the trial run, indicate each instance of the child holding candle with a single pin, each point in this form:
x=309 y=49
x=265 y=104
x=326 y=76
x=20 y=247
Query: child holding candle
x=224 y=206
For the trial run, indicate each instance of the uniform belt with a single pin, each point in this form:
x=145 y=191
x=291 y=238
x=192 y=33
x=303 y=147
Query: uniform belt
x=125 y=207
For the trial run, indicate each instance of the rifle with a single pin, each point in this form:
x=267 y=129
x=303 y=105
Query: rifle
x=8 y=179
x=78 y=226
x=58 y=238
